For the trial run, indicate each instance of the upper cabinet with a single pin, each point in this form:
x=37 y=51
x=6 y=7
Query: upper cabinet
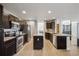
x=6 y=24
x=23 y=26
x=50 y=24
x=11 y=17
x=1 y=15
x=7 y=19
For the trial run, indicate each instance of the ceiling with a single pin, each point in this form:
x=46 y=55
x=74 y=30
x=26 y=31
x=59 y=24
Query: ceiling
x=39 y=11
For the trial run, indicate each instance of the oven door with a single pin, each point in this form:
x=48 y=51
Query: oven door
x=19 y=43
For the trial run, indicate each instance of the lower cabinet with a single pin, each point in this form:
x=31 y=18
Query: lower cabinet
x=61 y=42
x=77 y=42
x=10 y=47
x=25 y=38
x=49 y=37
x=46 y=36
x=38 y=42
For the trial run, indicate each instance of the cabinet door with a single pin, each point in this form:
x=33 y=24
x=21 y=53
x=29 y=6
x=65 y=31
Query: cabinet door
x=1 y=15
x=46 y=36
x=38 y=42
x=61 y=42
x=6 y=21
x=10 y=50
x=25 y=38
x=51 y=38
x=10 y=47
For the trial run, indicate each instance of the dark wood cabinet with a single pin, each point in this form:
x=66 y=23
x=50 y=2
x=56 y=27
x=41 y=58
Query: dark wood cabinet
x=50 y=24
x=25 y=38
x=1 y=31
x=50 y=29
x=77 y=42
x=38 y=42
x=10 y=47
x=6 y=22
x=61 y=42
x=23 y=26
x=49 y=37
x=7 y=19
x=1 y=16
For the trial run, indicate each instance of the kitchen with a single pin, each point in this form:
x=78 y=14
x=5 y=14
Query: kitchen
x=15 y=32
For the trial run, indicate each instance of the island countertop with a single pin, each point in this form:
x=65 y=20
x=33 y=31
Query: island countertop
x=8 y=38
x=61 y=34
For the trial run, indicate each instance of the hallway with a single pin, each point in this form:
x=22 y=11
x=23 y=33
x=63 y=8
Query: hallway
x=48 y=50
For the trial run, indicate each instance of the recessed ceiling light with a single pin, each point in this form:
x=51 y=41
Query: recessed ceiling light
x=49 y=12
x=24 y=12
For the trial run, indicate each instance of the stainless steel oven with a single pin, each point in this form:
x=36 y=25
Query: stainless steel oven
x=19 y=42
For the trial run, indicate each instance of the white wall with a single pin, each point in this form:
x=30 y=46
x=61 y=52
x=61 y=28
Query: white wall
x=74 y=33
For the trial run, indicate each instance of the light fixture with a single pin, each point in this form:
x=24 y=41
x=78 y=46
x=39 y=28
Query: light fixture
x=49 y=12
x=24 y=12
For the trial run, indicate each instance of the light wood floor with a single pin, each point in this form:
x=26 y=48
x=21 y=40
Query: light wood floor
x=48 y=50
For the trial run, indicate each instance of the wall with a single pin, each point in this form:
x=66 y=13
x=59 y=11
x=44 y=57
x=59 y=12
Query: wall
x=74 y=33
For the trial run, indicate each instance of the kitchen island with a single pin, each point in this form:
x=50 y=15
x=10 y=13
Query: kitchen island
x=61 y=41
x=38 y=42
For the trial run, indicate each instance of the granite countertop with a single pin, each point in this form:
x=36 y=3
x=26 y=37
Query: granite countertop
x=23 y=33
x=38 y=34
x=8 y=38
x=49 y=31
x=61 y=34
